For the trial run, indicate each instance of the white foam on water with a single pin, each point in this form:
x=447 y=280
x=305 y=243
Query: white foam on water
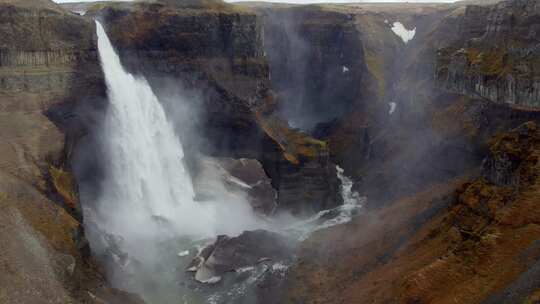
x=352 y=203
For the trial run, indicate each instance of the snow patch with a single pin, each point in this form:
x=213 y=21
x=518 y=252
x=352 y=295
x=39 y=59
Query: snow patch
x=402 y=32
x=393 y=107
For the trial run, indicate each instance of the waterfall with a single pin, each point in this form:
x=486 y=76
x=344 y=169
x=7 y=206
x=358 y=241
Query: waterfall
x=146 y=196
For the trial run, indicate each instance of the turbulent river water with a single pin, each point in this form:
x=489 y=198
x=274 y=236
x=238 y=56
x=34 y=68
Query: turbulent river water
x=146 y=220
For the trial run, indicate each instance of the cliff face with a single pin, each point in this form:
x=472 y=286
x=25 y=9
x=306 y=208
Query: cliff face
x=498 y=60
x=314 y=59
x=388 y=134
x=54 y=65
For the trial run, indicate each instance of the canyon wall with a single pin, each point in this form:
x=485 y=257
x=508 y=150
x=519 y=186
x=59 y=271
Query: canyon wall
x=315 y=63
x=497 y=56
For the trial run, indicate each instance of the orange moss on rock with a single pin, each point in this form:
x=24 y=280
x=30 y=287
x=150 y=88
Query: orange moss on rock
x=65 y=186
x=296 y=145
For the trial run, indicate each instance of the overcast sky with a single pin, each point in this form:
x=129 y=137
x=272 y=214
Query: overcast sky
x=300 y=1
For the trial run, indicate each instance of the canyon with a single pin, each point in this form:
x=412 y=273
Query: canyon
x=424 y=115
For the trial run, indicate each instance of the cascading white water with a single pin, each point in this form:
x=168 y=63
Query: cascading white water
x=147 y=194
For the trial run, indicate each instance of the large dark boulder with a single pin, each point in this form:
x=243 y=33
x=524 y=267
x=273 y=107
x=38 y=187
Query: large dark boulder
x=230 y=254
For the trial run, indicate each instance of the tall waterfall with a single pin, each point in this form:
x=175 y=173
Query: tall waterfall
x=147 y=196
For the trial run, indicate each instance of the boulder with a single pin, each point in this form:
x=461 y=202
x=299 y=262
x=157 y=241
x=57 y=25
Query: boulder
x=238 y=178
x=230 y=254
x=249 y=174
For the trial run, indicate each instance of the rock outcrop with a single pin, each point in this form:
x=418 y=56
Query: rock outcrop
x=234 y=254
x=510 y=156
x=217 y=178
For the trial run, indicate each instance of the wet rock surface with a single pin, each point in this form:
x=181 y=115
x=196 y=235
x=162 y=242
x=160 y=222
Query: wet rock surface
x=232 y=254
x=243 y=176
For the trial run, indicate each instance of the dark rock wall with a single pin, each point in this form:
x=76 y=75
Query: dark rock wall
x=306 y=187
x=316 y=63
